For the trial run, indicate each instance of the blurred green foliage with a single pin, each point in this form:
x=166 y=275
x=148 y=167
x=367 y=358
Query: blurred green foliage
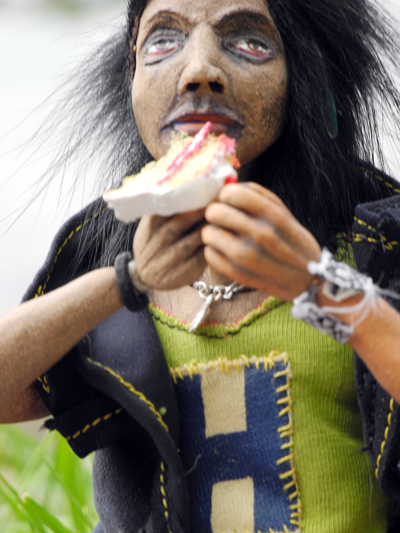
x=44 y=487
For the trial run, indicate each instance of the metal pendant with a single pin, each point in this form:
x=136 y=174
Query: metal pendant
x=202 y=313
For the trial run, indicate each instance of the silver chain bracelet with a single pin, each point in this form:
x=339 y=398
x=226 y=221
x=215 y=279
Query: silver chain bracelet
x=340 y=283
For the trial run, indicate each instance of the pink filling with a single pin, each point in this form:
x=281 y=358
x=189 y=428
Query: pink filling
x=192 y=148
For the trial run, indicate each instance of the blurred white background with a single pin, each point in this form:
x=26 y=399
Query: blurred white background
x=39 y=40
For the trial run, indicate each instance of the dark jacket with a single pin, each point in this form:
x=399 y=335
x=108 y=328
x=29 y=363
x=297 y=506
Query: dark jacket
x=113 y=393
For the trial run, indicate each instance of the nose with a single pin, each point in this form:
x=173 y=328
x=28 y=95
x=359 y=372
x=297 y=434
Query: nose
x=202 y=72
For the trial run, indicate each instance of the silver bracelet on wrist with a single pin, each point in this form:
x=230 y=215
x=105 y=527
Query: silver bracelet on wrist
x=340 y=282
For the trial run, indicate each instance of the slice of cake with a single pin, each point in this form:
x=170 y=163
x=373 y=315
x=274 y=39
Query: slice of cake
x=188 y=177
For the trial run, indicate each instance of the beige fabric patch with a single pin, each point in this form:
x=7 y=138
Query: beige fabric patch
x=233 y=506
x=224 y=400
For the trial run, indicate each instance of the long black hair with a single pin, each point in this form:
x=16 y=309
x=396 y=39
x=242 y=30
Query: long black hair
x=342 y=61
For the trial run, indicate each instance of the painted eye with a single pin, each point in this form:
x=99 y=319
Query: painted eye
x=252 y=48
x=162 y=47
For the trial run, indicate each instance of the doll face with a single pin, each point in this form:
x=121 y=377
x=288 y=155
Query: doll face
x=217 y=60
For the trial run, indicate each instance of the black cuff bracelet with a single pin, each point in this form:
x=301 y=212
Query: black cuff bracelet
x=133 y=299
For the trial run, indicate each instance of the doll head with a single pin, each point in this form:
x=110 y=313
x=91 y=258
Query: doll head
x=199 y=61
x=332 y=88
x=312 y=141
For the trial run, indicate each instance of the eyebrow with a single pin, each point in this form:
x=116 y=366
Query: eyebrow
x=248 y=16
x=165 y=16
x=255 y=18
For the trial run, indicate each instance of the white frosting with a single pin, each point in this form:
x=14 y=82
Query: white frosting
x=129 y=204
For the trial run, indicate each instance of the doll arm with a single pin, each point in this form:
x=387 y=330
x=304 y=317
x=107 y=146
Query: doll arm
x=35 y=335
x=38 y=333
x=376 y=339
x=254 y=239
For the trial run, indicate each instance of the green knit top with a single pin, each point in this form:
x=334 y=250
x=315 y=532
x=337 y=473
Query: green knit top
x=337 y=488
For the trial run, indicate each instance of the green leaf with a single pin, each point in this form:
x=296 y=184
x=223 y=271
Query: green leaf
x=36 y=510
x=62 y=474
x=14 y=500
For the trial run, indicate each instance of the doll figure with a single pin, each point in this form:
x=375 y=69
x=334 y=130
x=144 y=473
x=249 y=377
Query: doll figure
x=262 y=419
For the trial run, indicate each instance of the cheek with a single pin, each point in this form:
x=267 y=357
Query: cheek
x=268 y=109
x=273 y=114
x=144 y=106
x=150 y=103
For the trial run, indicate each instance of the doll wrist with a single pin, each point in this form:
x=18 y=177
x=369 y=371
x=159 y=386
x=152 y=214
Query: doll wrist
x=342 y=291
x=132 y=291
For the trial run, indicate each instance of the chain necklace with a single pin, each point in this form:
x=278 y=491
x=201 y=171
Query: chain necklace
x=213 y=294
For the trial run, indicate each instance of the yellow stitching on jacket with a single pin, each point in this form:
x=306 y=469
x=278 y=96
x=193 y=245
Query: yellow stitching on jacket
x=41 y=289
x=380 y=179
x=378 y=461
x=369 y=227
x=93 y=424
x=132 y=389
x=359 y=237
x=44 y=383
x=164 y=494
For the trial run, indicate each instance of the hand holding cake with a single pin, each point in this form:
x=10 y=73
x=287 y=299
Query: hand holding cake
x=187 y=178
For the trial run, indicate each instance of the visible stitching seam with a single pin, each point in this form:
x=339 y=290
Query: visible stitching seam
x=286 y=432
x=235 y=331
x=359 y=237
x=224 y=365
x=132 y=389
x=44 y=383
x=93 y=424
x=164 y=494
x=41 y=289
x=362 y=223
x=79 y=228
x=284 y=404
x=380 y=179
x=386 y=434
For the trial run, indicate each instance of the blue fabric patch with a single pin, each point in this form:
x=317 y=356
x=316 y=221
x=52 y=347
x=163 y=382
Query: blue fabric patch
x=253 y=453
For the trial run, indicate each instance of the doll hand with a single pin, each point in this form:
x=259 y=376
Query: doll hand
x=254 y=239
x=169 y=251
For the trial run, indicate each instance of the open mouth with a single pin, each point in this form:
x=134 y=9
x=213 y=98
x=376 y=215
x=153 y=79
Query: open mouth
x=191 y=123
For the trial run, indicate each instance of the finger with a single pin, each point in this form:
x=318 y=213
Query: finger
x=229 y=218
x=183 y=249
x=177 y=226
x=240 y=189
x=281 y=264
x=264 y=192
x=181 y=274
x=249 y=200
x=229 y=269
x=265 y=237
x=189 y=271
x=278 y=216
x=258 y=206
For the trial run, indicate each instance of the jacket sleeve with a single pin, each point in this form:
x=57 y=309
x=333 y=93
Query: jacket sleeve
x=113 y=393
x=376 y=247
x=91 y=389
